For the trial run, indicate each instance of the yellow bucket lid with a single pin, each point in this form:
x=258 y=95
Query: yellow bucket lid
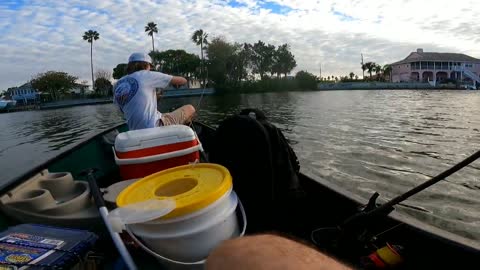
x=193 y=187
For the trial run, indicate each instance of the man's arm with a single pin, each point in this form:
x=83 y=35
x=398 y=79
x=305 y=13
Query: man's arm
x=160 y=80
x=176 y=80
x=269 y=252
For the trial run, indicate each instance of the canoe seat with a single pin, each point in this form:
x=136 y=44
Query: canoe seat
x=51 y=198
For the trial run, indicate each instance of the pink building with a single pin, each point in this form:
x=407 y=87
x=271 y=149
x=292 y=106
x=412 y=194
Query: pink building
x=422 y=66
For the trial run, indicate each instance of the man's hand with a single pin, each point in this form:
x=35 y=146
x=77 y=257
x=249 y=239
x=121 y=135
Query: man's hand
x=177 y=81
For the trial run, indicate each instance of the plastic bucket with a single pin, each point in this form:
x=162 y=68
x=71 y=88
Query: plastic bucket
x=202 y=216
x=194 y=240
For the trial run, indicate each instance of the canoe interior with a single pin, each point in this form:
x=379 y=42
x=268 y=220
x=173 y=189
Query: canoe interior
x=325 y=206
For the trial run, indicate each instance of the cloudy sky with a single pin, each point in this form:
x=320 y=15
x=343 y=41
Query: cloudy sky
x=41 y=35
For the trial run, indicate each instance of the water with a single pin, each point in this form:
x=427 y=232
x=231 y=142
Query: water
x=365 y=141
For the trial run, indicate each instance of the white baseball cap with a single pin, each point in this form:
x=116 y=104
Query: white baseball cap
x=140 y=57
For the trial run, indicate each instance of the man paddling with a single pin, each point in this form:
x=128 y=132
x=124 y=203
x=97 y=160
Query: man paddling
x=135 y=95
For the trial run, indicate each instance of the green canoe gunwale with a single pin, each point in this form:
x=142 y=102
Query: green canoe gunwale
x=46 y=164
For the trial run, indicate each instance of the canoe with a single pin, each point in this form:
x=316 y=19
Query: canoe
x=326 y=206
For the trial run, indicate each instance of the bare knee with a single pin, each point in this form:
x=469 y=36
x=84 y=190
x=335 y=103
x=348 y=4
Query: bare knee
x=268 y=252
x=189 y=110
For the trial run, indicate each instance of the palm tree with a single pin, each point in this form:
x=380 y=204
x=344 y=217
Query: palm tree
x=200 y=38
x=90 y=36
x=378 y=71
x=351 y=75
x=151 y=28
x=370 y=67
x=387 y=69
x=364 y=67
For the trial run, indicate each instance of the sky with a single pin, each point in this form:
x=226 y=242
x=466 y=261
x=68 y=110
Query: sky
x=42 y=35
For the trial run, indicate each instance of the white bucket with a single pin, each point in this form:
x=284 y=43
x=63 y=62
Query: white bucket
x=184 y=242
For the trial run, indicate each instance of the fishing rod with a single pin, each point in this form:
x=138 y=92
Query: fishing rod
x=388 y=206
x=100 y=203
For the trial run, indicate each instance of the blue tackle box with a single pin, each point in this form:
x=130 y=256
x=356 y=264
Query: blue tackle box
x=44 y=246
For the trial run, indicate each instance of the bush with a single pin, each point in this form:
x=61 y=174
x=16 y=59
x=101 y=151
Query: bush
x=306 y=80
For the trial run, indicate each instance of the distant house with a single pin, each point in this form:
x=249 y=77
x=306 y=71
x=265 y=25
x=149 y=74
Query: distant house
x=24 y=94
x=423 y=66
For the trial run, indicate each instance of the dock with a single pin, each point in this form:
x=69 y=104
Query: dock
x=73 y=103
x=187 y=92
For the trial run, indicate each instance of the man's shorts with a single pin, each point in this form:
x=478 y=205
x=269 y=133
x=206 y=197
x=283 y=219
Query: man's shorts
x=177 y=117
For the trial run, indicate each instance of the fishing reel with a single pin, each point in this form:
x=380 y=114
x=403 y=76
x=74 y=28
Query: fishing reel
x=353 y=238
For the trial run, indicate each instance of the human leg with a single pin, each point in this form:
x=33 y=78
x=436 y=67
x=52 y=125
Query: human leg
x=182 y=115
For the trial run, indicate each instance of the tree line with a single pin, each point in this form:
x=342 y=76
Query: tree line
x=381 y=72
x=221 y=64
x=225 y=65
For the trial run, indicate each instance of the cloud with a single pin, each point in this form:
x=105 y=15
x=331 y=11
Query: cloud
x=47 y=35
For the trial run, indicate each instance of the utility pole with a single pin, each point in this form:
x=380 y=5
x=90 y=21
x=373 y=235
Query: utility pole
x=363 y=71
x=320 y=72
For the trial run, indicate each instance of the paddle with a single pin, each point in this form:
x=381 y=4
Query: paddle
x=97 y=197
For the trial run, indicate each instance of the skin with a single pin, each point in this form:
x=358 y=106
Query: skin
x=268 y=252
x=188 y=110
x=176 y=80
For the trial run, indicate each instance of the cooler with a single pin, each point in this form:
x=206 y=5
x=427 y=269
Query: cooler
x=142 y=152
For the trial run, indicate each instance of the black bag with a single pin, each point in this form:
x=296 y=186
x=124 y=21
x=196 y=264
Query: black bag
x=263 y=166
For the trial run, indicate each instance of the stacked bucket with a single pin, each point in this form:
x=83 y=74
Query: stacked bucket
x=202 y=204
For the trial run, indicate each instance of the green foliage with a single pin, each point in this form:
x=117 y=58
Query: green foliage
x=177 y=62
x=54 y=82
x=387 y=71
x=370 y=67
x=229 y=64
x=262 y=58
x=224 y=62
x=151 y=28
x=91 y=35
x=103 y=87
x=306 y=80
x=199 y=37
x=119 y=71
x=284 y=61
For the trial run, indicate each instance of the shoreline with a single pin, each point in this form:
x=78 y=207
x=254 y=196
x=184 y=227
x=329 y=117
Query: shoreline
x=178 y=93
x=73 y=103
x=383 y=86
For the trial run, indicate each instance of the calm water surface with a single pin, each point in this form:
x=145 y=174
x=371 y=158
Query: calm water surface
x=365 y=141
